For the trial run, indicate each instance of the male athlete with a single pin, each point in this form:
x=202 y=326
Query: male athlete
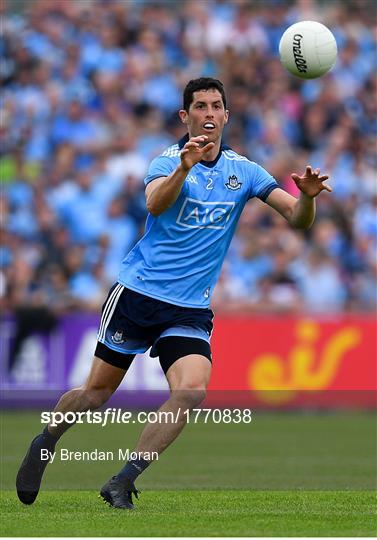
x=195 y=193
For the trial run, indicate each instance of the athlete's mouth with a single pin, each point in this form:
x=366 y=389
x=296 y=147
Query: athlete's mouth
x=209 y=126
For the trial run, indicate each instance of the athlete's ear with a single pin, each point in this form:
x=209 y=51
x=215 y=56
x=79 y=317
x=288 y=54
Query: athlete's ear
x=183 y=115
x=226 y=116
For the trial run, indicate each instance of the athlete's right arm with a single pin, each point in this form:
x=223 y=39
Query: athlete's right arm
x=161 y=193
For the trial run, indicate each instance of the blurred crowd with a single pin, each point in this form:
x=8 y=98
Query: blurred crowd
x=90 y=93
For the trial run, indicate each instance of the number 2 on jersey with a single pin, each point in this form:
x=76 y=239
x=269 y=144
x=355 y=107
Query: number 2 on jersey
x=209 y=183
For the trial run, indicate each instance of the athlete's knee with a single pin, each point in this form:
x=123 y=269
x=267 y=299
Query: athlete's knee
x=189 y=395
x=95 y=397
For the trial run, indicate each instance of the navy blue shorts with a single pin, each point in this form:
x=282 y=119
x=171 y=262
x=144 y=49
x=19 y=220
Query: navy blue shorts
x=131 y=322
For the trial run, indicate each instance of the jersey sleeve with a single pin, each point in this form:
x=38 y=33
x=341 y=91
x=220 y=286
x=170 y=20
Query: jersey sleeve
x=159 y=167
x=262 y=184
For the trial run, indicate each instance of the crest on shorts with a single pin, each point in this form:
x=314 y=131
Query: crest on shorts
x=233 y=183
x=118 y=337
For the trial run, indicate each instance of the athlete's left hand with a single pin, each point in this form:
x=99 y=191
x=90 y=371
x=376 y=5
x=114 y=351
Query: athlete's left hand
x=311 y=183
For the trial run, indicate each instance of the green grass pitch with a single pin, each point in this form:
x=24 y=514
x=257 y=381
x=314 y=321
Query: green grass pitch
x=282 y=475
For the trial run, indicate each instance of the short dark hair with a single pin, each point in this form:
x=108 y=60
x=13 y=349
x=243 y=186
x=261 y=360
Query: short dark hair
x=203 y=83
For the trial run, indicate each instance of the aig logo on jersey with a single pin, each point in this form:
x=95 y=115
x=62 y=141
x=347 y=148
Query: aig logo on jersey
x=205 y=215
x=233 y=183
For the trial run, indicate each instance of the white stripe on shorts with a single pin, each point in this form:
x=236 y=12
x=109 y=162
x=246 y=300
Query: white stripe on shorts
x=109 y=310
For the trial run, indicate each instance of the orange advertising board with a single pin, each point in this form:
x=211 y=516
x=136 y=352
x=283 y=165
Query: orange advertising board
x=286 y=361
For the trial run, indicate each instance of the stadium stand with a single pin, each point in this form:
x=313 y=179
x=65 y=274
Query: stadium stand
x=89 y=95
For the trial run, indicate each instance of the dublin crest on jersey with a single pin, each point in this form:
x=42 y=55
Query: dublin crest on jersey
x=118 y=337
x=233 y=183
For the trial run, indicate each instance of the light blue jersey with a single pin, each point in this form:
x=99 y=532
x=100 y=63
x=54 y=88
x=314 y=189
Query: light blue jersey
x=179 y=258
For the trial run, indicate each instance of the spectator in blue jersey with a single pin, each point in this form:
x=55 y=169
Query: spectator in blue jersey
x=195 y=193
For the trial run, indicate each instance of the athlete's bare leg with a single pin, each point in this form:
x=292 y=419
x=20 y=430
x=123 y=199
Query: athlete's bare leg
x=188 y=379
x=101 y=383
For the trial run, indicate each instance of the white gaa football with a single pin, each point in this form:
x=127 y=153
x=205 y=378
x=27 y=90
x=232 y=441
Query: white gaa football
x=308 y=49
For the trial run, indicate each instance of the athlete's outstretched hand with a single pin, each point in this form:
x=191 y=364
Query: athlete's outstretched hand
x=194 y=151
x=310 y=182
